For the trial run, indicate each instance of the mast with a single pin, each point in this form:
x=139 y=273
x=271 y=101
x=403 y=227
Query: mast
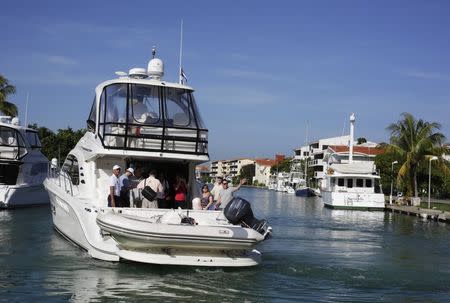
x=307 y=157
x=180 y=71
x=26 y=112
x=352 y=127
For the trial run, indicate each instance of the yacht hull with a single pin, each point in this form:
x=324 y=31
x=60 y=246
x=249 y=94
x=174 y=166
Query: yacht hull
x=75 y=220
x=16 y=196
x=349 y=200
x=137 y=234
x=105 y=236
x=304 y=192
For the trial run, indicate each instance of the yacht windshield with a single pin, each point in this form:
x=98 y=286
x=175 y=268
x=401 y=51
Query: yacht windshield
x=33 y=139
x=155 y=118
x=12 y=145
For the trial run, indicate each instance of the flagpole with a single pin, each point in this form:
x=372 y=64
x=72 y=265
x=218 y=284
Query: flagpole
x=26 y=112
x=180 y=79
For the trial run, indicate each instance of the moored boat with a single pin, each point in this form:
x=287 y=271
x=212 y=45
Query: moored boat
x=139 y=120
x=23 y=167
x=350 y=184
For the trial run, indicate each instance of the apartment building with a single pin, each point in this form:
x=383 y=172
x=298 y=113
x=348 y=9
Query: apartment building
x=229 y=168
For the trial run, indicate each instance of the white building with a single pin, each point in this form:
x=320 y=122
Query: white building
x=236 y=165
x=262 y=170
x=229 y=168
x=318 y=149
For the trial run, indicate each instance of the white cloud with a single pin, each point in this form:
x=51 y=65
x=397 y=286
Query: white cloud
x=425 y=75
x=61 y=60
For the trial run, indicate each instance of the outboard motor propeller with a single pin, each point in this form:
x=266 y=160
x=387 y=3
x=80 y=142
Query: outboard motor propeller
x=239 y=211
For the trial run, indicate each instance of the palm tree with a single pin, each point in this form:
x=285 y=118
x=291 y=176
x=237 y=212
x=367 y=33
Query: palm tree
x=6 y=89
x=416 y=141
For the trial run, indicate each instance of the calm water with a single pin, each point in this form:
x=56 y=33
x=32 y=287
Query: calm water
x=315 y=255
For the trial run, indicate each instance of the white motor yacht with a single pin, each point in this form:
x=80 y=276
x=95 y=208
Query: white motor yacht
x=23 y=167
x=352 y=184
x=141 y=120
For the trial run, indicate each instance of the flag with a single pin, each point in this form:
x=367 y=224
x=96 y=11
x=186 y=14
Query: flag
x=183 y=77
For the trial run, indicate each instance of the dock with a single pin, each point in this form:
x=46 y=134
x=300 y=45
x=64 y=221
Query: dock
x=430 y=214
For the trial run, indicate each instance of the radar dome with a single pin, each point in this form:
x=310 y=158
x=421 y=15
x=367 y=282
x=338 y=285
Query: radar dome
x=137 y=73
x=155 y=68
x=15 y=121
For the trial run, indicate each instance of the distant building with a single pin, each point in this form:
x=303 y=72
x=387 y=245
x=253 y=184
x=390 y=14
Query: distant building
x=262 y=169
x=202 y=171
x=236 y=165
x=229 y=168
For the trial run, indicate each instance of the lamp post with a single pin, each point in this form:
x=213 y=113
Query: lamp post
x=392 y=180
x=429 y=180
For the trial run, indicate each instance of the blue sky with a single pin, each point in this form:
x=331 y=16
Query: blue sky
x=261 y=69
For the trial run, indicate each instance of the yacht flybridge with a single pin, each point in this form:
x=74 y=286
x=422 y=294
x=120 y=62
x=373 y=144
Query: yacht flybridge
x=139 y=120
x=23 y=167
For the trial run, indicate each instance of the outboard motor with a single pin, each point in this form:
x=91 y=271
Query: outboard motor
x=239 y=211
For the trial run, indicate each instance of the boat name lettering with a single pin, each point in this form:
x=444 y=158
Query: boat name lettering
x=224 y=231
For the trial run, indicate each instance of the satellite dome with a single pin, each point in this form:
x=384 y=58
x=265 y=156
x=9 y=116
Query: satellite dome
x=155 y=68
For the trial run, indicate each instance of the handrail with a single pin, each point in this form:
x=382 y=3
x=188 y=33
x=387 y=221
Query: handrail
x=55 y=174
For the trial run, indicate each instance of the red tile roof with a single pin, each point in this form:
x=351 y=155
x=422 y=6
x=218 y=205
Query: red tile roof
x=266 y=162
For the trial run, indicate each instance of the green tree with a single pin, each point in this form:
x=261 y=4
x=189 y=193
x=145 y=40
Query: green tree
x=248 y=172
x=388 y=172
x=6 y=89
x=59 y=144
x=282 y=166
x=415 y=141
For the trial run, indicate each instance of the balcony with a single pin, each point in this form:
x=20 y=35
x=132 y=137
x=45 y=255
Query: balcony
x=318 y=174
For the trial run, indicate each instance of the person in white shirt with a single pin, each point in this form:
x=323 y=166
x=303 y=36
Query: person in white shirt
x=114 y=199
x=154 y=184
x=226 y=194
x=217 y=188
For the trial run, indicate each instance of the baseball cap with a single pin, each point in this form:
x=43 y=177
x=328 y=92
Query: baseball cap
x=131 y=170
x=116 y=167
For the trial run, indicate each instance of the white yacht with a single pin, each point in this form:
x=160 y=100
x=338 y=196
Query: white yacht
x=140 y=120
x=23 y=167
x=348 y=184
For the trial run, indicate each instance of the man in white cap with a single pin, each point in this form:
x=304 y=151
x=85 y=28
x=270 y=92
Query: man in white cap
x=114 y=188
x=125 y=186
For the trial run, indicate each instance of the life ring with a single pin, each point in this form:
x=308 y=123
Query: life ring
x=330 y=171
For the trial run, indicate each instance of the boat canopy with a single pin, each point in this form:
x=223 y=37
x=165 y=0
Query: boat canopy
x=136 y=116
x=353 y=168
x=12 y=144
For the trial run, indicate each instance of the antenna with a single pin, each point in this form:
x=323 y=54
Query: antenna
x=26 y=112
x=153 y=51
x=180 y=74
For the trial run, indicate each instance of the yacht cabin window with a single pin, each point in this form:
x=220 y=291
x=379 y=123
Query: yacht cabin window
x=368 y=183
x=33 y=139
x=70 y=166
x=340 y=182
x=149 y=117
x=12 y=145
x=359 y=182
x=349 y=183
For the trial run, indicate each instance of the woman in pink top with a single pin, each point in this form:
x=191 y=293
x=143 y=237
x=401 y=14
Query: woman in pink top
x=180 y=192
